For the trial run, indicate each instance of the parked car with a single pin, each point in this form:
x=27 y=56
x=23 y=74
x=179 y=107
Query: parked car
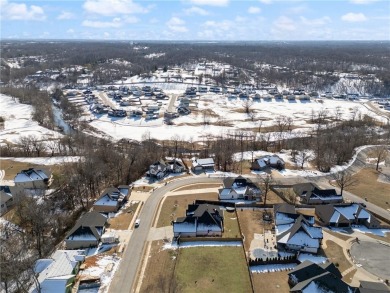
x=137 y=222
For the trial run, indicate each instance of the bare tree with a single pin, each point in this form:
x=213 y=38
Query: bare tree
x=381 y=153
x=302 y=157
x=344 y=180
x=266 y=184
x=248 y=107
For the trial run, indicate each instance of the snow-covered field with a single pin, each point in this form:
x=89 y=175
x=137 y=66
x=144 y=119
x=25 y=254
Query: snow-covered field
x=230 y=113
x=44 y=160
x=18 y=122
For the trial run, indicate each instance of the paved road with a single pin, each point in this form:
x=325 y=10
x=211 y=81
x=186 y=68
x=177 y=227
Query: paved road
x=126 y=274
x=374 y=256
x=106 y=100
x=172 y=103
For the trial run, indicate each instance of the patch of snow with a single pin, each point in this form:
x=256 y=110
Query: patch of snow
x=44 y=160
x=201 y=244
x=272 y=268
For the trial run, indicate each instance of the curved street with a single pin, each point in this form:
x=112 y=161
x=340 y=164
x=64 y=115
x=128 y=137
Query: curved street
x=127 y=271
x=125 y=277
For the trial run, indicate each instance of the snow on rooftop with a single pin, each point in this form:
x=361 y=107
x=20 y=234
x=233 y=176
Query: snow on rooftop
x=302 y=239
x=348 y=212
x=313 y=258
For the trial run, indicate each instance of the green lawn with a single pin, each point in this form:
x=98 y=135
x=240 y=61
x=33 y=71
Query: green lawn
x=212 y=269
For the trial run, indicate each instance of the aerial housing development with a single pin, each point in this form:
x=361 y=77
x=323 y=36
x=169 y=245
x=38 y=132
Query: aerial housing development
x=194 y=146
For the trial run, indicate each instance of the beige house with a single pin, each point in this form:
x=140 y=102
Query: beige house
x=30 y=181
x=6 y=199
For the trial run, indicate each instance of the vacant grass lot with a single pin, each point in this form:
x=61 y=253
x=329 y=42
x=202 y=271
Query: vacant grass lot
x=159 y=270
x=335 y=254
x=176 y=206
x=270 y=282
x=122 y=221
x=212 y=269
x=348 y=277
x=376 y=192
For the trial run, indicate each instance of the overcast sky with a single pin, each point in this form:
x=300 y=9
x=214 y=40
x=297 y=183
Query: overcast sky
x=196 y=20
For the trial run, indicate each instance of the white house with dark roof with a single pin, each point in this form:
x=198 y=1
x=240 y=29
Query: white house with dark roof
x=201 y=165
x=111 y=199
x=299 y=236
x=200 y=220
x=239 y=188
x=309 y=193
x=57 y=273
x=345 y=215
x=268 y=161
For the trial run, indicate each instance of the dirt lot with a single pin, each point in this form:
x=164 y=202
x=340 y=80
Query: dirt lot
x=368 y=186
x=212 y=269
x=144 y=188
x=122 y=221
x=159 y=270
x=271 y=282
x=176 y=206
x=251 y=222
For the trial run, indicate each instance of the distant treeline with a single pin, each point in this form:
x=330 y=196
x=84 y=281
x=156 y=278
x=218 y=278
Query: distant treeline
x=301 y=59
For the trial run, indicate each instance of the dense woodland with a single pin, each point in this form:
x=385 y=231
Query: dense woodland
x=310 y=64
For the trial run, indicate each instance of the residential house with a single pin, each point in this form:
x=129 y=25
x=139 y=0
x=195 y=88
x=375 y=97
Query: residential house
x=285 y=214
x=310 y=193
x=310 y=277
x=345 y=215
x=373 y=287
x=163 y=167
x=6 y=199
x=266 y=162
x=175 y=165
x=199 y=165
x=299 y=236
x=239 y=188
x=112 y=199
x=87 y=231
x=200 y=220
x=57 y=274
x=33 y=181
x=158 y=169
